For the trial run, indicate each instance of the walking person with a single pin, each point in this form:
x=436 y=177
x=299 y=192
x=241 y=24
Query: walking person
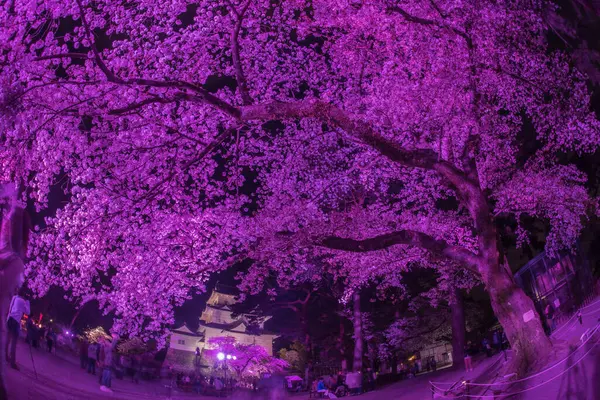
x=106 y=360
x=83 y=353
x=197 y=357
x=50 y=339
x=92 y=357
x=549 y=312
x=468 y=361
x=485 y=343
x=496 y=341
x=18 y=307
x=136 y=364
x=105 y=363
x=171 y=382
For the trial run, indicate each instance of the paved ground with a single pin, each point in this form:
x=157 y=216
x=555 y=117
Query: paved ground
x=59 y=377
x=419 y=388
x=576 y=378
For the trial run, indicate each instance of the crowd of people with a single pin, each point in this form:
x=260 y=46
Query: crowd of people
x=92 y=356
x=499 y=343
x=330 y=386
x=100 y=355
x=36 y=335
x=200 y=384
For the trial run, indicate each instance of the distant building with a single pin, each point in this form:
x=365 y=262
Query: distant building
x=564 y=282
x=440 y=351
x=216 y=320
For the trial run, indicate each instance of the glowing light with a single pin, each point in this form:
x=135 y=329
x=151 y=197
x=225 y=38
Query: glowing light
x=221 y=356
x=229 y=356
x=234 y=357
x=51 y=321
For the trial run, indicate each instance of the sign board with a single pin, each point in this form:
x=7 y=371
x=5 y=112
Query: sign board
x=528 y=316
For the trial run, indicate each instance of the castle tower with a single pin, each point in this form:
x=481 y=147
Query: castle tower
x=216 y=320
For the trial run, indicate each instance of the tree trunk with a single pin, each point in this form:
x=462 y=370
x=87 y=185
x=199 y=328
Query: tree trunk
x=394 y=363
x=513 y=308
x=358 y=335
x=458 y=328
x=306 y=341
x=372 y=351
x=341 y=346
x=517 y=315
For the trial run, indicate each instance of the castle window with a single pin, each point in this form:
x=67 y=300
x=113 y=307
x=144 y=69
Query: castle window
x=180 y=341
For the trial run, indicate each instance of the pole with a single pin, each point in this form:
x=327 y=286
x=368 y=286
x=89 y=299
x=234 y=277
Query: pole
x=32 y=362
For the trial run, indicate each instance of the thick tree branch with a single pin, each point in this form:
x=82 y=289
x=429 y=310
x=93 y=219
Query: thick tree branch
x=235 y=52
x=458 y=254
x=61 y=55
x=420 y=158
x=430 y=22
x=140 y=104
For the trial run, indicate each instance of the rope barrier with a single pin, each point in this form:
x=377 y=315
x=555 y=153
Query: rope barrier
x=556 y=332
x=533 y=387
x=452 y=383
x=591 y=304
x=465 y=383
x=562 y=335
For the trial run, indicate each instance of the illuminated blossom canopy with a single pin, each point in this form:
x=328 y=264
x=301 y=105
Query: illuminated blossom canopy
x=250 y=359
x=369 y=134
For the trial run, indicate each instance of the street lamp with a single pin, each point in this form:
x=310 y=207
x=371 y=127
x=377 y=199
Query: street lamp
x=224 y=357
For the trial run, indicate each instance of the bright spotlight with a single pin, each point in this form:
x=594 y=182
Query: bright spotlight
x=229 y=356
x=221 y=356
x=234 y=357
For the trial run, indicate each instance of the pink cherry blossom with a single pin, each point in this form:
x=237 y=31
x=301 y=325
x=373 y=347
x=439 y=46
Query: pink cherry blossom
x=340 y=131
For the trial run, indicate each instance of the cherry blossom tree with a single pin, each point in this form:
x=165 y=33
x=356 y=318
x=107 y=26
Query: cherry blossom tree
x=250 y=359
x=195 y=133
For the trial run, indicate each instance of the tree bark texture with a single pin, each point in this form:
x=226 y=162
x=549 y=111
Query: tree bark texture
x=358 y=334
x=458 y=329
